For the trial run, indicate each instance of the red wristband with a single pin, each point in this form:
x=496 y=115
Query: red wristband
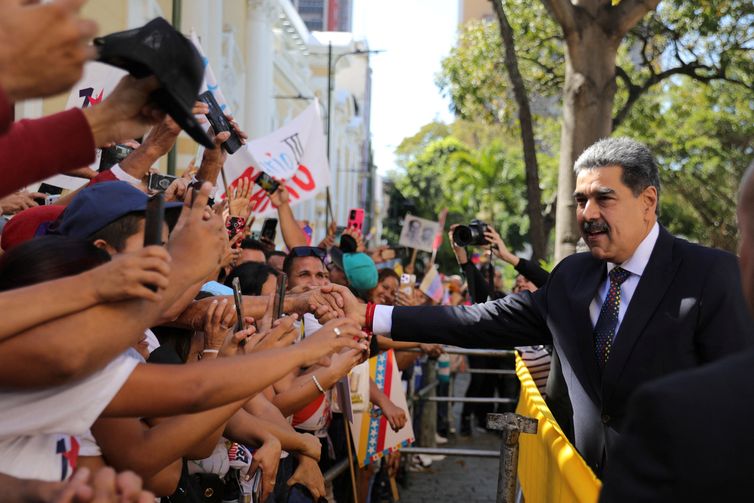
x=369 y=318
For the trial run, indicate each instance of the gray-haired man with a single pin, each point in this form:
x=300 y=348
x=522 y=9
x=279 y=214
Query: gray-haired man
x=640 y=305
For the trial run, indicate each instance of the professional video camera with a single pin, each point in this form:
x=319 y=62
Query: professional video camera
x=470 y=235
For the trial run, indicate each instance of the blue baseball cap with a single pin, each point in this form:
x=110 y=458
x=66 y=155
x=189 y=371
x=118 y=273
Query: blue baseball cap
x=99 y=205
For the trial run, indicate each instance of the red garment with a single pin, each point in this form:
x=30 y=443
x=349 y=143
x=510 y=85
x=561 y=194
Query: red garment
x=6 y=117
x=32 y=150
x=104 y=176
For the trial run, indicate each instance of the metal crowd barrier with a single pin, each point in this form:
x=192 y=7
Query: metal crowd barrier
x=511 y=425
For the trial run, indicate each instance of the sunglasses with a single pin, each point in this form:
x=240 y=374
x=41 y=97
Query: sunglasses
x=308 y=251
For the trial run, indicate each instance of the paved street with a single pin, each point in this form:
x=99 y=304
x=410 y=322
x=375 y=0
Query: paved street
x=471 y=480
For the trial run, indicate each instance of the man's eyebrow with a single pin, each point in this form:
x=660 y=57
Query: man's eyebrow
x=601 y=191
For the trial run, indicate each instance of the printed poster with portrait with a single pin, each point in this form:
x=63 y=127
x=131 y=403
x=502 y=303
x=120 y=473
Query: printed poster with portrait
x=418 y=233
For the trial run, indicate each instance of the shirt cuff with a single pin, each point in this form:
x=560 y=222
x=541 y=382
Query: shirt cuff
x=118 y=172
x=382 y=323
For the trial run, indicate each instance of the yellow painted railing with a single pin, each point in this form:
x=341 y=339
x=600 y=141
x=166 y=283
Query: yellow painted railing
x=549 y=467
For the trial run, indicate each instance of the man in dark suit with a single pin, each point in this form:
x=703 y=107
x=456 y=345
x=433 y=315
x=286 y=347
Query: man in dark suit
x=642 y=304
x=688 y=437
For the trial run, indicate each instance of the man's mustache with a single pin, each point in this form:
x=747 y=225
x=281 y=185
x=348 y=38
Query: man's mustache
x=592 y=226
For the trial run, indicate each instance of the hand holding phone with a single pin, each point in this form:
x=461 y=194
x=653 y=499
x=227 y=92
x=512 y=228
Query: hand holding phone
x=220 y=123
x=238 y=299
x=356 y=219
x=269 y=184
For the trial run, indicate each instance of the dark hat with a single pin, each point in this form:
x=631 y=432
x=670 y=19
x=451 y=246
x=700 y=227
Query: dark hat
x=99 y=205
x=159 y=49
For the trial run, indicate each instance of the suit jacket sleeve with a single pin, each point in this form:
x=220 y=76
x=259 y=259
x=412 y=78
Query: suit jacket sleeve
x=516 y=320
x=533 y=272
x=725 y=326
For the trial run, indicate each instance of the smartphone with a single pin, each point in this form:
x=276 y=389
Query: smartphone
x=220 y=123
x=269 y=229
x=277 y=306
x=356 y=219
x=158 y=182
x=238 y=301
x=269 y=184
x=234 y=226
x=112 y=156
x=155 y=220
x=407 y=283
x=256 y=487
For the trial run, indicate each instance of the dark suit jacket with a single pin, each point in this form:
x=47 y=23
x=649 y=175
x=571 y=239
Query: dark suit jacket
x=688 y=438
x=687 y=310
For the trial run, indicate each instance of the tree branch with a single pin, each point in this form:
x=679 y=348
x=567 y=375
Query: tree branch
x=563 y=12
x=620 y=19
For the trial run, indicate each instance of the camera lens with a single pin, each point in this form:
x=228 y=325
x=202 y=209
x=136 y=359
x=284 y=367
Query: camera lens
x=462 y=235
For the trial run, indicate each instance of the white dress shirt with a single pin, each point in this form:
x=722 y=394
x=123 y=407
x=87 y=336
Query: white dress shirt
x=383 y=315
x=635 y=265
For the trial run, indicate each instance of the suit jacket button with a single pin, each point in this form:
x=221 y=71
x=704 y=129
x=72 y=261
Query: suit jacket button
x=605 y=418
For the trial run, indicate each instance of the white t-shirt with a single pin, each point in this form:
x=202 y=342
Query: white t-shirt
x=36 y=427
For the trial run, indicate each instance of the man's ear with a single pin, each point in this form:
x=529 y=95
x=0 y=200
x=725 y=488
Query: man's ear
x=103 y=245
x=649 y=199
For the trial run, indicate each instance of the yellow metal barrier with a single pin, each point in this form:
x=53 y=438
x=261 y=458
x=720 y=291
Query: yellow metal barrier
x=549 y=467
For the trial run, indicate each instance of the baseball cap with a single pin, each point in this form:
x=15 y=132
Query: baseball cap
x=27 y=224
x=360 y=271
x=159 y=49
x=99 y=205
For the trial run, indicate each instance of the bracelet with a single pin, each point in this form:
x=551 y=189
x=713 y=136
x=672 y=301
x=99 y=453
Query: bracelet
x=317 y=384
x=369 y=316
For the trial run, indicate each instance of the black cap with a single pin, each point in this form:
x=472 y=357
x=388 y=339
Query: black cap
x=159 y=49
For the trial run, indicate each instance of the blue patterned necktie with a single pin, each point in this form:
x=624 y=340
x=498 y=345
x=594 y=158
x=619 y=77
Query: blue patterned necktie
x=604 y=329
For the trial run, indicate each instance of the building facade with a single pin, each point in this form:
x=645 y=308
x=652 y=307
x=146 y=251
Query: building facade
x=270 y=67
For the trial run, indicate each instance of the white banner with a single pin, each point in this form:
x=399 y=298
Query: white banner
x=96 y=84
x=295 y=154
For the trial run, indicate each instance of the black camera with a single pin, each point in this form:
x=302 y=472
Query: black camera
x=471 y=235
x=112 y=156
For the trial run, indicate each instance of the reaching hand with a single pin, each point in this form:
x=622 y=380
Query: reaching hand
x=43 y=47
x=282 y=334
x=315 y=299
x=240 y=203
x=105 y=487
x=280 y=197
x=267 y=459
x=432 y=350
x=341 y=363
x=14 y=203
x=130 y=275
x=126 y=113
x=309 y=475
x=331 y=338
x=236 y=343
x=198 y=241
x=176 y=191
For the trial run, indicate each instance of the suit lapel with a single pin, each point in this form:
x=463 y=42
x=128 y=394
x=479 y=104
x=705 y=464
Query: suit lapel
x=652 y=286
x=583 y=293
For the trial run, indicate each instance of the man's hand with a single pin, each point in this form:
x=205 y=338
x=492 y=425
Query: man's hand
x=43 y=47
x=198 y=241
x=213 y=158
x=19 y=201
x=267 y=459
x=280 y=197
x=309 y=475
x=303 y=300
x=105 y=487
x=342 y=363
x=162 y=136
x=176 y=191
x=330 y=339
x=126 y=113
x=130 y=275
x=351 y=306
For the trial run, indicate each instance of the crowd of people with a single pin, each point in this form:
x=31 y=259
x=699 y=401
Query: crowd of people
x=127 y=374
